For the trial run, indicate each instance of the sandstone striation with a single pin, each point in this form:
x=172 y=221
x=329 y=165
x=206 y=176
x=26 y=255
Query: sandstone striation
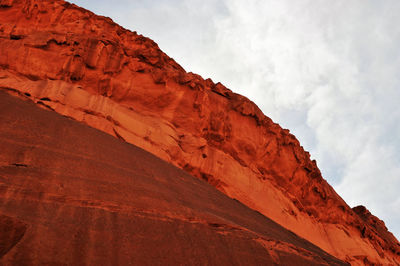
x=86 y=67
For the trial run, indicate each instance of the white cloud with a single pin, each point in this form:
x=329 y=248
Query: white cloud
x=327 y=70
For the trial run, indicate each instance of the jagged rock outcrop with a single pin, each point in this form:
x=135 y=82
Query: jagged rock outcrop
x=86 y=67
x=89 y=199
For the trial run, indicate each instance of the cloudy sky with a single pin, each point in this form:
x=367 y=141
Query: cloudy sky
x=326 y=70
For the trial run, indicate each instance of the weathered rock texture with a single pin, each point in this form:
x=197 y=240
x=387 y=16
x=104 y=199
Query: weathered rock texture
x=87 y=198
x=88 y=68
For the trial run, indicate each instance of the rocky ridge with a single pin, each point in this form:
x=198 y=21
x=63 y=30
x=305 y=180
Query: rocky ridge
x=86 y=67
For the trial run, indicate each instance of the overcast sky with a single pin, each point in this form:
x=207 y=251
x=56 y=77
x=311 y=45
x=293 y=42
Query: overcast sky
x=326 y=70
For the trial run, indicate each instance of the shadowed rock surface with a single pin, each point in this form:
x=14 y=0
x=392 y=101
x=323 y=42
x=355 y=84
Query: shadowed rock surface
x=72 y=195
x=11 y=232
x=86 y=67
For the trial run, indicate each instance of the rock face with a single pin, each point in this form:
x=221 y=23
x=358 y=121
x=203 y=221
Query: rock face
x=86 y=67
x=87 y=198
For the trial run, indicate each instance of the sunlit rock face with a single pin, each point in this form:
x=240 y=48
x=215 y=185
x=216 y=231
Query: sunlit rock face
x=86 y=67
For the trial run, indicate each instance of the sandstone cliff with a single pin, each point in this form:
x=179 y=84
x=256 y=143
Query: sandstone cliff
x=87 y=198
x=86 y=67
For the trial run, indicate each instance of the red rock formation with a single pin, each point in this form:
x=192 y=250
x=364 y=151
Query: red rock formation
x=88 y=199
x=86 y=67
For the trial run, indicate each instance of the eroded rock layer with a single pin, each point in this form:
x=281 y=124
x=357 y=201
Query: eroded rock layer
x=86 y=67
x=73 y=195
